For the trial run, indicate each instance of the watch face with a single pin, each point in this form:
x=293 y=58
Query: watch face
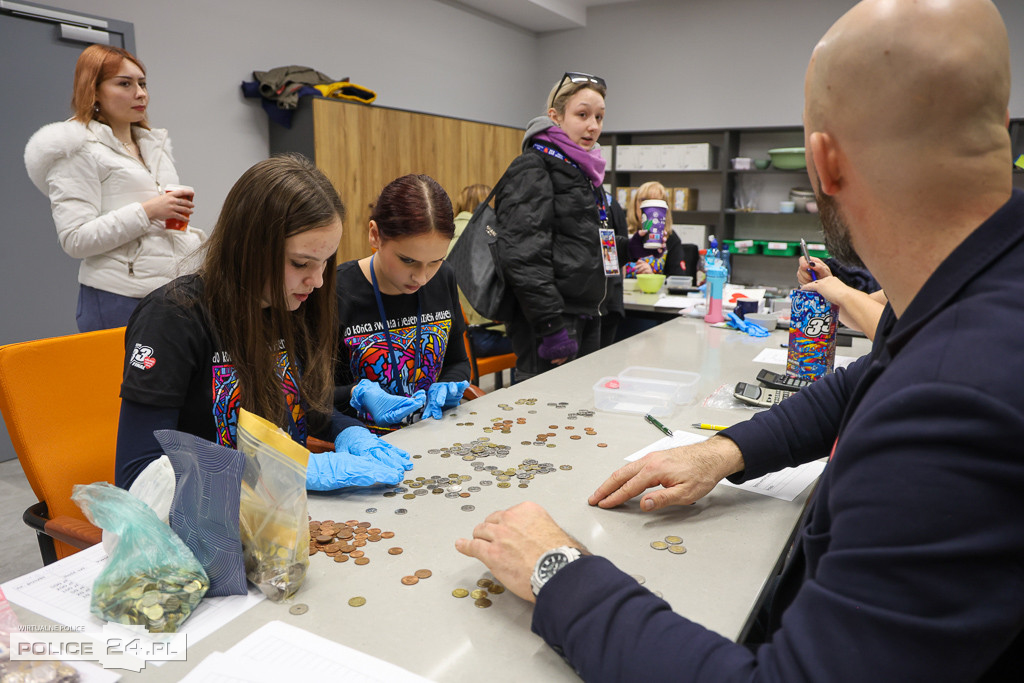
x=551 y=563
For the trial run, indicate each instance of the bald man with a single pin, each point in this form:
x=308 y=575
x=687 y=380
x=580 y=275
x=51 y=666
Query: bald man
x=909 y=563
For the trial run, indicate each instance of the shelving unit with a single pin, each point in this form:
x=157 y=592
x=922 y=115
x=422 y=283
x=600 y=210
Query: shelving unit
x=717 y=192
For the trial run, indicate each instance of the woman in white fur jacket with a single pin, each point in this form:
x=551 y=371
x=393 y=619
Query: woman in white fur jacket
x=105 y=172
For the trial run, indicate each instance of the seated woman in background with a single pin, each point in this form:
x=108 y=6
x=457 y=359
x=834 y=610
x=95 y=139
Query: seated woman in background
x=673 y=257
x=400 y=344
x=105 y=172
x=485 y=341
x=252 y=329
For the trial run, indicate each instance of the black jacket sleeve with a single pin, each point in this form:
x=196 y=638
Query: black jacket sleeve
x=456 y=361
x=525 y=210
x=136 y=445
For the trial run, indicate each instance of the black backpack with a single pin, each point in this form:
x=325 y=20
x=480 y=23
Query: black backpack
x=477 y=265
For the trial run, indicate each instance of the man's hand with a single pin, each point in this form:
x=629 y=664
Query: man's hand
x=510 y=541
x=687 y=474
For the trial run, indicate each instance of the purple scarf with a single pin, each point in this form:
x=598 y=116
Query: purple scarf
x=591 y=163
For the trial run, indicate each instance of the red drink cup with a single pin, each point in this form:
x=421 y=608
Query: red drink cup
x=174 y=223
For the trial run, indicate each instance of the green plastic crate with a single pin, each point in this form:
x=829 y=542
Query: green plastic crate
x=772 y=248
x=817 y=250
x=743 y=246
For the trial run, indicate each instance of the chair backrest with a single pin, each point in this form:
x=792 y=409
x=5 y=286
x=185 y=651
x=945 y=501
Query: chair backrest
x=60 y=403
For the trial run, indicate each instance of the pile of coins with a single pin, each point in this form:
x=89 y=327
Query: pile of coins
x=159 y=600
x=345 y=540
x=674 y=544
x=479 y=594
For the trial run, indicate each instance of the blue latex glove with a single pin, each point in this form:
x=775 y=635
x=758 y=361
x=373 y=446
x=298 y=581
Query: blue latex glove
x=441 y=395
x=360 y=442
x=557 y=345
x=335 y=470
x=748 y=326
x=386 y=409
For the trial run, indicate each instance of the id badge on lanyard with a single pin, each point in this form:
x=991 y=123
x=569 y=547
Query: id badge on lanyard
x=609 y=251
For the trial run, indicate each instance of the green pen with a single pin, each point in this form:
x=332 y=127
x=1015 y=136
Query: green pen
x=665 y=430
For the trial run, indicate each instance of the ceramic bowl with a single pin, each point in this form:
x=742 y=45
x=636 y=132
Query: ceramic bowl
x=762 y=164
x=788 y=158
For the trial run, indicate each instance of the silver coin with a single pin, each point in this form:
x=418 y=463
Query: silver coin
x=473 y=489
x=486 y=482
x=454 y=488
x=371 y=511
x=421 y=492
x=434 y=451
x=300 y=608
x=401 y=511
x=451 y=494
x=468 y=508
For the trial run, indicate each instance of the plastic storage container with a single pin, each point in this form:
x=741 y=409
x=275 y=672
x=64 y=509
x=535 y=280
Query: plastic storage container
x=818 y=250
x=687 y=381
x=645 y=390
x=780 y=248
x=744 y=246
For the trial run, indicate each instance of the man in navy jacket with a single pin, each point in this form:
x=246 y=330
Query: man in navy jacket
x=909 y=564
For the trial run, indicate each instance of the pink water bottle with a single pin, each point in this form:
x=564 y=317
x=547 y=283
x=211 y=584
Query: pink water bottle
x=715 y=283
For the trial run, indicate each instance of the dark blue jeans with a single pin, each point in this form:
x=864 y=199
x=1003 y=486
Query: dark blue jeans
x=489 y=343
x=100 y=310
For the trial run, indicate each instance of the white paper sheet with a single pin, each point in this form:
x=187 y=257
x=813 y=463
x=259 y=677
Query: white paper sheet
x=61 y=592
x=785 y=484
x=281 y=652
x=678 y=438
x=778 y=357
x=676 y=301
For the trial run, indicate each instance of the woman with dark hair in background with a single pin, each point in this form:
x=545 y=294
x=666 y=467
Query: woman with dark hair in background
x=255 y=328
x=556 y=246
x=106 y=172
x=401 y=326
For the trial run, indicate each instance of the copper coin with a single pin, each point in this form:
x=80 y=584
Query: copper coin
x=333 y=547
x=410 y=580
x=373 y=531
x=552 y=433
x=482 y=602
x=552 y=426
x=394 y=551
x=324 y=538
x=362 y=560
x=464 y=494
x=373 y=539
x=313 y=526
x=423 y=573
x=327 y=521
x=342 y=557
x=387 y=534
x=356 y=553
x=359 y=543
x=568 y=427
x=312 y=550
x=485 y=583
x=345 y=534
x=602 y=445
x=496 y=589
x=351 y=522
x=364 y=525
x=575 y=437
x=347 y=548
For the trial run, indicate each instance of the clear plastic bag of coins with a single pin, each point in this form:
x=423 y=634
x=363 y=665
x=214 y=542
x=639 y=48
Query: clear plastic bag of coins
x=273 y=507
x=152 y=579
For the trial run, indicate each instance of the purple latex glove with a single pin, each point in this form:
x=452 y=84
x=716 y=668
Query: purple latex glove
x=557 y=345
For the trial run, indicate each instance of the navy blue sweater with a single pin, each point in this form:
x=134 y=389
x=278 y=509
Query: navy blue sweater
x=909 y=563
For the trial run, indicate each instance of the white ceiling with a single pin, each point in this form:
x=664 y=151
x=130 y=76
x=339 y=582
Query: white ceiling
x=539 y=16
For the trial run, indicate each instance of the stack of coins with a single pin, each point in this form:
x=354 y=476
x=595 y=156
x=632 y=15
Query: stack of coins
x=674 y=544
x=160 y=600
x=485 y=587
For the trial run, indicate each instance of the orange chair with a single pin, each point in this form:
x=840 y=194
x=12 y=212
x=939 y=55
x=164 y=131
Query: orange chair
x=486 y=365
x=60 y=402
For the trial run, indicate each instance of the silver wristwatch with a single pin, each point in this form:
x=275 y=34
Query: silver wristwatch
x=549 y=563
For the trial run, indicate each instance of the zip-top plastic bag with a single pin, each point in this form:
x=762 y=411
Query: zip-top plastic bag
x=151 y=578
x=273 y=518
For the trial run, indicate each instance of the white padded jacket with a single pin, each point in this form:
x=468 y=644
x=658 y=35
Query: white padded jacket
x=96 y=192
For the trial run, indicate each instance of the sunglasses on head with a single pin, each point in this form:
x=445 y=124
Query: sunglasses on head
x=576 y=77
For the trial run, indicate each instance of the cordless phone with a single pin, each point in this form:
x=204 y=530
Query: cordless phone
x=759 y=396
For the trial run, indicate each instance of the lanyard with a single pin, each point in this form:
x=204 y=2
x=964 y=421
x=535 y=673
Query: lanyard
x=598 y=194
x=404 y=388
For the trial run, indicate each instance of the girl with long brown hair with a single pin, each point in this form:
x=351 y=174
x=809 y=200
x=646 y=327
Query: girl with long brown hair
x=255 y=328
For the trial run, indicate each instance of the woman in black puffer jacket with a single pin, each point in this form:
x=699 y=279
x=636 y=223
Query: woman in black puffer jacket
x=551 y=209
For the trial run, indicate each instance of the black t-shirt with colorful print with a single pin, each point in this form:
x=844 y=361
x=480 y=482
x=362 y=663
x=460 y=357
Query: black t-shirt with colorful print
x=363 y=349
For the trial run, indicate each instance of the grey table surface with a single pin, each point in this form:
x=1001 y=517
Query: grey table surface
x=734 y=538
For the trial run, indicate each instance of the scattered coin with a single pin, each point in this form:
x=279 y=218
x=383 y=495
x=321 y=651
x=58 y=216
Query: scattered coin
x=602 y=445
x=674 y=540
x=394 y=551
x=423 y=573
x=357 y=601
x=371 y=511
x=362 y=560
x=478 y=593
x=659 y=545
x=468 y=508
x=300 y=608
x=341 y=557
x=485 y=583
x=677 y=549
x=483 y=602
x=401 y=511
x=460 y=593
x=496 y=589
x=410 y=580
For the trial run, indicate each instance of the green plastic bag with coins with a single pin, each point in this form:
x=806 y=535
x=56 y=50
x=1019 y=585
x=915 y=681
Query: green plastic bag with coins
x=151 y=578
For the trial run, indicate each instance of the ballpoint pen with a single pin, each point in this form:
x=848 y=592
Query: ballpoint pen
x=704 y=425
x=658 y=425
x=807 y=257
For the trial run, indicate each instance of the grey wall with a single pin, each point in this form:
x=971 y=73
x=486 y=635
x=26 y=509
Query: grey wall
x=416 y=54
x=713 y=63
